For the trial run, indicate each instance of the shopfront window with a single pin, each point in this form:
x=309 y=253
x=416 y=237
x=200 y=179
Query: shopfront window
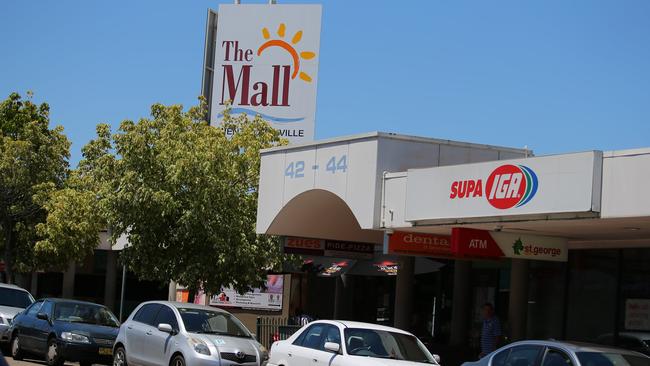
x=591 y=294
x=546 y=301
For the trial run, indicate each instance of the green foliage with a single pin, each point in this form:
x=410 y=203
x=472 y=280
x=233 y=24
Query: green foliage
x=42 y=217
x=186 y=196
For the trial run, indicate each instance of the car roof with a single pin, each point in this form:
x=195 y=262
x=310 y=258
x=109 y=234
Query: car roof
x=187 y=305
x=353 y=324
x=574 y=346
x=7 y=285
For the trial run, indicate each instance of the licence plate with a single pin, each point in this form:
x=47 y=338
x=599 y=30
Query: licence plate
x=105 y=351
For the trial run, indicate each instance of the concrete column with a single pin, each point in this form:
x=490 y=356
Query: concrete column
x=110 y=282
x=461 y=302
x=34 y=285
x=172 y=291
x=68 y=281
x=518 y=302
x=404 y=292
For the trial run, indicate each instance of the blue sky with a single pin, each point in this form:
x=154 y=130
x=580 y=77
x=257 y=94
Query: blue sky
x=554 y=75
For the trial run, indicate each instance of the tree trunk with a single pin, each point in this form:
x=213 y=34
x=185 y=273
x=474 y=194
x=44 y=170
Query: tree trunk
x=8 y=229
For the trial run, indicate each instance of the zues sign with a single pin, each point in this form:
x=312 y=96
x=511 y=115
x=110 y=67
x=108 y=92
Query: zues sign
x=266 y=63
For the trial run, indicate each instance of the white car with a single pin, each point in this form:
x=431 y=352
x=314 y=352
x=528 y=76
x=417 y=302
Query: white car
x=13 y=300
x=345 y=343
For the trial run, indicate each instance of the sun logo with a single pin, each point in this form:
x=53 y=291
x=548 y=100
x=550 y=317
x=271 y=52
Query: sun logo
x=305 y=55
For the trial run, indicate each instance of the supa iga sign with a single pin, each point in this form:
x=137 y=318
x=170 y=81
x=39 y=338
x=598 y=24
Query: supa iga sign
x=506 y=187
x=546 y=185
x=266 y=63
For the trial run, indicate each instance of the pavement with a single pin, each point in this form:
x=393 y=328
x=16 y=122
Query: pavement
x=30 y=362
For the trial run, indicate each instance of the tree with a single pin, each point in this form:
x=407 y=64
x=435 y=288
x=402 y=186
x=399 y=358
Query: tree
x=48 y=214
x=34 y=158
x=186 y=196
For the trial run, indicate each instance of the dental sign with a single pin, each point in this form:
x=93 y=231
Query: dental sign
x=559 y=184
x=266 y=64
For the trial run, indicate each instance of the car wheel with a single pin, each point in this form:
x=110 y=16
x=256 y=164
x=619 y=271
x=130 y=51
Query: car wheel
x=16 y=351
x=178 y=361
x=52 y=356
x=119 y=358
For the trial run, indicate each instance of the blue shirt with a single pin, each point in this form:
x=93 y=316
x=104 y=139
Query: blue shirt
x=491 y=330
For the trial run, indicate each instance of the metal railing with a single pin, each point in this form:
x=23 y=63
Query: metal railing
x=271 y=329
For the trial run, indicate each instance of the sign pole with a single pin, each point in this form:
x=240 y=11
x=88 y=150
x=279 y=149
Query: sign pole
x=122 y=291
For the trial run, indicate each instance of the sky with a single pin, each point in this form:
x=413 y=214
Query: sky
x=554 y=75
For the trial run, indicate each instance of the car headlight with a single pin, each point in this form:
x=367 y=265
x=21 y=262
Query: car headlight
x=74 y=337
x=199 y=346
x=264 y=353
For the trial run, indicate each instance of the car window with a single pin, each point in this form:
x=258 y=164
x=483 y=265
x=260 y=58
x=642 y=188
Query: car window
x=33 y=310
x=301 y=337
x=87 y=313
x=15 y=298
x=147 y=314
x=312 y=338
x=166 y=316
x=554 y=357
x=197 y=320
x=611 y=359
x=332 y=334
x=46 y=308
x=379 y=343
x=500 y=358
x=524 y=355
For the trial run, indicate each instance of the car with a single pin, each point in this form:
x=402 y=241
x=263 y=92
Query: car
x=179 y=334
x=635 y=341
x=62 y=330
x=556 y=353
x=347 y=343
x=13 y=300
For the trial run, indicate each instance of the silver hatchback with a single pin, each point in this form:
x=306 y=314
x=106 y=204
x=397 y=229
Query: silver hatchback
x=179 y=334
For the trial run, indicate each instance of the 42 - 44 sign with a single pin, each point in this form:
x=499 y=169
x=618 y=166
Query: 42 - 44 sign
x=335 y=164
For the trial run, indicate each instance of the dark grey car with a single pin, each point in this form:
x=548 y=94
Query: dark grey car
x=554 y=353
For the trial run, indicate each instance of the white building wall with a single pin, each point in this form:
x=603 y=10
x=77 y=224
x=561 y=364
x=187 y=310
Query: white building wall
x=626 y=184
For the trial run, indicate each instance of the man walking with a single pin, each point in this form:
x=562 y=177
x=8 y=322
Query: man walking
x=491 y=330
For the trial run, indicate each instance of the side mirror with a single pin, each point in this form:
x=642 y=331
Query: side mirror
x=42 y=316
x=332 y=347
x=436 y=358
x=167 y=328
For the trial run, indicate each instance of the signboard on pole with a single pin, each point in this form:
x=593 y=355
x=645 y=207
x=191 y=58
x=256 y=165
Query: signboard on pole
x=269 y=298
x=475 y=243
x=547 y=185
x=266 y=63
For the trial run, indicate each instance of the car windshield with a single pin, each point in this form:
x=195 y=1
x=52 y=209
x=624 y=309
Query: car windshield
x=15 y=298
x=84 y=313
x=212 y=322
x=384 y=344
x=611 y=359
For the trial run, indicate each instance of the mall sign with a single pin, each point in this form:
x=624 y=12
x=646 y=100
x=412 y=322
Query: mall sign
x=266 y=63
x=557 y=184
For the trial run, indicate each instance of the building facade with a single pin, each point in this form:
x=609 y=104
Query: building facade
x=559 y=244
